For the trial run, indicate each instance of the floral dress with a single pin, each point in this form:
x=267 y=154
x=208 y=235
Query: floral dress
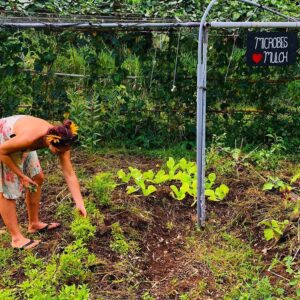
x=27 y=161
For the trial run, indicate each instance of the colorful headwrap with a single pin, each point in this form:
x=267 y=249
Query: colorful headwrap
x=63 y=135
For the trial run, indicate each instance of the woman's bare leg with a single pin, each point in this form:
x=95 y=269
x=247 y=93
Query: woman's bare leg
x=33 y=204
x=9 y=216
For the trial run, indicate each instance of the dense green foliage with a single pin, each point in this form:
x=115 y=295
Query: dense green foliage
x=128 y=94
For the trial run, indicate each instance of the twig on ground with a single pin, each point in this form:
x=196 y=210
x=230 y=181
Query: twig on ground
x=282 y=277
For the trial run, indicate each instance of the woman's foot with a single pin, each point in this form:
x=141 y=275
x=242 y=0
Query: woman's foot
x=24 y=243
x=40 y=227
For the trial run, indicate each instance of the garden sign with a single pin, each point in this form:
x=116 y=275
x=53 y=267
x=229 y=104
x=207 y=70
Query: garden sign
x=271 y=48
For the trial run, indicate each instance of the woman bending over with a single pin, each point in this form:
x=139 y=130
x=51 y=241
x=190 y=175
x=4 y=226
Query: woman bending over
x=20 y=168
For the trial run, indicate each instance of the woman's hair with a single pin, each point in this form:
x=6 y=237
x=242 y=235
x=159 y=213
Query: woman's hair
x=62 y=135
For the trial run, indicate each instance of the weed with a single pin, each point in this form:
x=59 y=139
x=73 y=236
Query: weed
x=184 y=296
x=31 y=261
x=147 y=296
x=256 y=289
x=274 y=230
x=170 y=225
x=5 y=257
x=119 y=243
x=102 y=186
x=231 y=261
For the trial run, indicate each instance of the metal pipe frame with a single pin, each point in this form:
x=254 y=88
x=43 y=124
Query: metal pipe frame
x=253 y=24
x=201 y=86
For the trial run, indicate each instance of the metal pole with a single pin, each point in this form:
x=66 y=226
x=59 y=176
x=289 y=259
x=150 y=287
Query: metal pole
x=254 y=24
x=201 y=104
x=273 y=11
x=203 y=144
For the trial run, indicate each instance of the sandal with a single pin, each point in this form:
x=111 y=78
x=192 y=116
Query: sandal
x=47 y=228
x=25 y=246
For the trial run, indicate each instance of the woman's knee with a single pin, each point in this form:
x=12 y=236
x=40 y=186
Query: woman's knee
x=39 y=178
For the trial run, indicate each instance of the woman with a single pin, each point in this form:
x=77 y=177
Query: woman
x=20 y=136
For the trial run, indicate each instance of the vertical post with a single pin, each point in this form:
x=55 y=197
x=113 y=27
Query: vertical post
x=201 y=120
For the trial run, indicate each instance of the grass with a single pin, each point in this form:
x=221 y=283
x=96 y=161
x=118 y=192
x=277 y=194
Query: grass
x=148 y=248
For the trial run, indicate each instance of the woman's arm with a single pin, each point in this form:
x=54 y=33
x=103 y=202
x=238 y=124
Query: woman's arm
x=72 y=181
x=11 y=146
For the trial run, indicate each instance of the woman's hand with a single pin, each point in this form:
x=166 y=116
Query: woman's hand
x=27 y=182
x=82 y=211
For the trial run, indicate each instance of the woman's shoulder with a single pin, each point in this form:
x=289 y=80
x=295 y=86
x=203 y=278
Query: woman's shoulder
x=32 y=125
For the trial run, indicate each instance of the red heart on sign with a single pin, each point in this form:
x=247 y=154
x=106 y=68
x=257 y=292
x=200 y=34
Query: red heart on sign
x=257 y=57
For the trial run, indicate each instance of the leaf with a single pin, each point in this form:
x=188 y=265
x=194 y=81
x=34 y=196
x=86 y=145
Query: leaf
x=174 y=189
x=212 y=177
x=149 y=190
x=161 y=177
x=149 y=175
x=122 y=175
x=295 y=178
x=185 y=187
x=269 y=234
x=183 y=164
x=211 y=195
x=224 y=188
x=179 y=194
x=132 y=189
x=170 y=163
x=268 y=186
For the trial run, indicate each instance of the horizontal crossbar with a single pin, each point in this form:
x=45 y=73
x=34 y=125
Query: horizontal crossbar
x=254 y=24
x=91 y=25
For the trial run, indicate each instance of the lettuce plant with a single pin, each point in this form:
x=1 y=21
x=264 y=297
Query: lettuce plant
x=183 y=172
x=181 y=193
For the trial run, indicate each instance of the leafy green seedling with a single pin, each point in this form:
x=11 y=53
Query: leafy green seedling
x=160 y=177
x=183 y=164
x=149 y=175
x=132 y=189
x=210 y=180
x=123 y=176
x=181 y=193
x=218 y=194
x=274 y=229
x=149 y=190
x=276 y=183
x=172 y=167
